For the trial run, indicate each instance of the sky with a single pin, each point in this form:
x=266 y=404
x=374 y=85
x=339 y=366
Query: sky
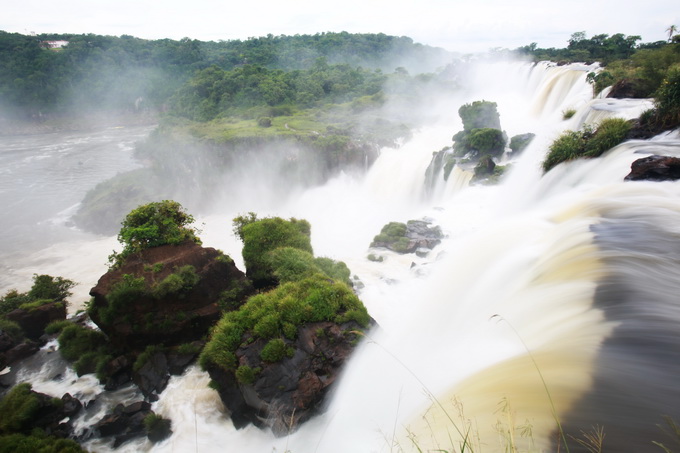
x=456 y=25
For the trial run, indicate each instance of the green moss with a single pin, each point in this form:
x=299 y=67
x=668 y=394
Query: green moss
x=145 y=356
x=479 y=114
x=20 y=443
x=246 y=375
x=263 y=236
x=182 y=280
x=12 y=329
x=275 y=350
x=122 y=294
x=157 y=427
x=18 y=409
x=279 y=313
x=568 y=114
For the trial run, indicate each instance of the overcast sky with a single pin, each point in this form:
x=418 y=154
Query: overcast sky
x=457 y=25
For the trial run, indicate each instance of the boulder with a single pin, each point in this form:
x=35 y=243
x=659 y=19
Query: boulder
x=150 y=307
x=409 y=237
x=34 y=320
x=153 y=376
x=125 y=422
x=655 y=168
x=284 y=394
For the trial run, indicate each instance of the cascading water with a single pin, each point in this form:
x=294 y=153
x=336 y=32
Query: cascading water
x=552 y=298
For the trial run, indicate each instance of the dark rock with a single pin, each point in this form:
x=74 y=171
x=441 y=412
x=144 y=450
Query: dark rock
x=33 y=321
x=6 y=341
x=655 y=168
x=153 y=376
x=176 y=317
x=125 y=422
x=418 y=234
x=21 y=351
x=624 y=89
x=119 y=372
x=287 y=393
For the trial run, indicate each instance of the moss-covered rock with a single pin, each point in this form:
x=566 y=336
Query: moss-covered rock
x=275 y=358
x=408 y=237
x=261 y=236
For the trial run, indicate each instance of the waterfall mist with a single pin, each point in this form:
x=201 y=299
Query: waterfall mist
x=552 y=298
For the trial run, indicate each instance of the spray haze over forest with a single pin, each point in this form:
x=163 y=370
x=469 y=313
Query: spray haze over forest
x=542 y=316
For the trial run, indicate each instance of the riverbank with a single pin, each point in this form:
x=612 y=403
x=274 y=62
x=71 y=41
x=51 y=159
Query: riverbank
x=85 y=122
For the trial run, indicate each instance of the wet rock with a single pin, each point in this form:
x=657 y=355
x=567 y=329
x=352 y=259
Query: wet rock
x=285 y=394
x=655 y=168
x=33 y=321
x=125 y=422
x=179 y=315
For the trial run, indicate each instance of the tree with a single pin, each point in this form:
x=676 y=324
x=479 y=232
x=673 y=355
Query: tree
x=152 y=225
x=671 y=31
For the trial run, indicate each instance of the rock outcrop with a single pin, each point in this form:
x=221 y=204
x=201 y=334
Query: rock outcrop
x=655 y=168
x=285 y=394
x=34 y=320
x=168 y=295
x=410 y=237
x=124 y=423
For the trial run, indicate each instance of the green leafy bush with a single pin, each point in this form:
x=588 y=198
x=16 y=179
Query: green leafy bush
x=279 y=313
x=12 y=329
x=182 y=280
x=152 y=225
x=18 y=409
x=123 y=293
x=19 y=443
x=263 y=236
x=586 y=143
x=480 y=114
x=246 y=374
x=157 y=427
x=486 y=142
x=52 y=288
x=275 y=350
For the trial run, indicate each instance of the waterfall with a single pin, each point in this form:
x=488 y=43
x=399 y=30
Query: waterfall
x=551 y=302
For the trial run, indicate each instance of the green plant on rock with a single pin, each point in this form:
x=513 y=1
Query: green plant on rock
x=279 y=313
x=12 y=329
x=479 y=114
x=152 y=225
x=122 y=294
x=265 y=235
x=180 y=281
x=157 y=427
x=88 y=349
x=586 y=142
x=275 y=350
x=37 y=442
x=18 y=409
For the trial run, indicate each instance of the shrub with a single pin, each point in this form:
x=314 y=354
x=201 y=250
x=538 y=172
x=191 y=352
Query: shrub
x=16 y=443
x=265 y=235
x=519 y=142
x=290 y=264
x=275 y=350
x=281 y=312
x=487 y=142
x=52 y=288
x=18 y=409
x=479 y=114
x=568 y=114
x=145 y=356
x=182 y=280
x=123 y=293
x=609 y=133
x=586 y=143
x=152 y=225
x=12 y=329
x=157 y=427
x=246 y=375
x=12 y=300
x=667 y=99
x=76 y=341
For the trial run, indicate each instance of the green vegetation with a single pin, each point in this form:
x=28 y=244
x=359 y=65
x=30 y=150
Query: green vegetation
x=137 y=75
x=45 y=289
x=278 y=314
x=182 y=280
x=568 y=114
x=291 y=264
x=18 y=409
x=88 y=349
x=37 y=442
x=145 y=356
x=122 y=294
x=394 y=235
x=481 y=135
x=12 y=329
x=602 y=48
x=587 y=143
x=519 y=142
x=152 y=225
x=157 y=427
x=261 y=236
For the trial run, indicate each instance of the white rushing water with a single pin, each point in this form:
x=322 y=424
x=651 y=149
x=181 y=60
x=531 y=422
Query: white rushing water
x=553 y=296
